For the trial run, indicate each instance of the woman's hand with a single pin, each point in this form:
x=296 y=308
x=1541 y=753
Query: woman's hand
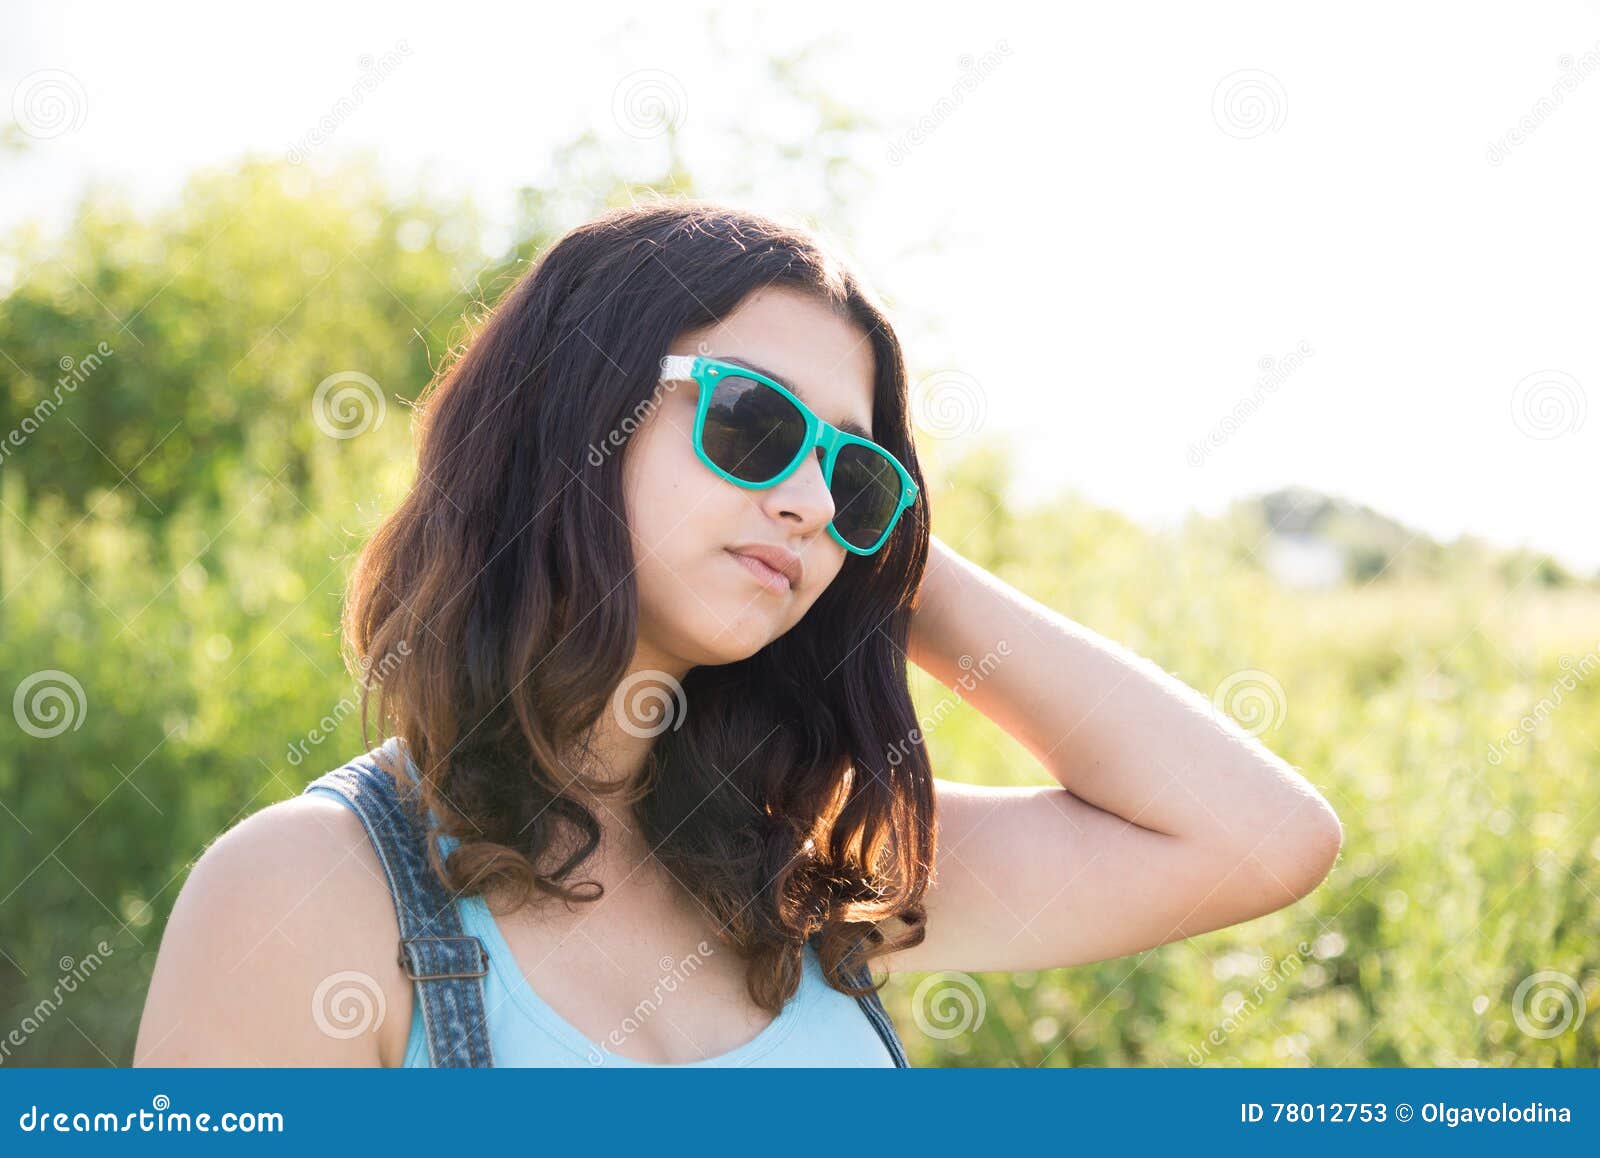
x=1170 y=820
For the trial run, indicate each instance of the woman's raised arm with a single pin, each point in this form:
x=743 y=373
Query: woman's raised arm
x=1170 y=819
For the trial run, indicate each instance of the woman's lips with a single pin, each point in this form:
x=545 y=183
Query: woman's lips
x=770 y=578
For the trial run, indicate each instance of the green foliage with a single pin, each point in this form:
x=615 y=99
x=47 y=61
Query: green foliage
x=221 y=316
x=1471 y=863
x=176 y=534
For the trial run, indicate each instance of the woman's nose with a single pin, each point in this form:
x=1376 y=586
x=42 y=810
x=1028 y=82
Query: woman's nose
x=804 y=495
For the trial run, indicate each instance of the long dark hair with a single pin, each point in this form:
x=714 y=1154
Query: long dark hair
x=505 y=580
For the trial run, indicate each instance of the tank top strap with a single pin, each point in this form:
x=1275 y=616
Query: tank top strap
x=877 y=1016
x=445 y=964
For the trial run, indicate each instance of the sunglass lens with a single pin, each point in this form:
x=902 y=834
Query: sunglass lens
x=866 y=494
x=751 y=430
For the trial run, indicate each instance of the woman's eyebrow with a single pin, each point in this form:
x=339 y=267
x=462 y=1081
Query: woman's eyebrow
x=849 y=425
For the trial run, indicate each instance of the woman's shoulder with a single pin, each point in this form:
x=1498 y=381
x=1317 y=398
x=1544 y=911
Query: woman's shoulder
x=280 y=949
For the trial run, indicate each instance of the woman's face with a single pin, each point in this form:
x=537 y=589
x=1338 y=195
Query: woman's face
x=698 y=603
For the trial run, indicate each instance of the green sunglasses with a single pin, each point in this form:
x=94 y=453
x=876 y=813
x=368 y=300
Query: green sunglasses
x=751 y=431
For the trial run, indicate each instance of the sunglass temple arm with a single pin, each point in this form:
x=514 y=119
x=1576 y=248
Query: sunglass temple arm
x=677 y=366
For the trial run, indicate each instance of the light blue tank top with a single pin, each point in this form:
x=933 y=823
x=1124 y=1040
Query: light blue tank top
x=818 y=1026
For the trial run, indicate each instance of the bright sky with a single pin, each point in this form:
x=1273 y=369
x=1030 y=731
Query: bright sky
x=1142 y=204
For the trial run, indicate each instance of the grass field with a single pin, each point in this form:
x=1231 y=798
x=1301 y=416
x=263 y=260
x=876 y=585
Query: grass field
x=1456 y=929
x=1454 y=727
x=177 y=525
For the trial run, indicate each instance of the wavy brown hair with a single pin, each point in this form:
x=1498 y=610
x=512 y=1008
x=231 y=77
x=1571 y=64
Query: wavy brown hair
x=506 y=581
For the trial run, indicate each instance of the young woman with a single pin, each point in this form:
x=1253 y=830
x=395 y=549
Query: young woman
x=638 y=635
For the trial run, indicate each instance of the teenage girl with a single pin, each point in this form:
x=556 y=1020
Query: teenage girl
x=636 y=642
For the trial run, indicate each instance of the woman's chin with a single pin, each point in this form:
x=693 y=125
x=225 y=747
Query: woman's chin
x=726 y=628
x=738 y=640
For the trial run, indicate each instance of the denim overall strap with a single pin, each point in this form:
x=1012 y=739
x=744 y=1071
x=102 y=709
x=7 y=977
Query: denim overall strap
x=872 y=1006
x=879 y=1017
x=445 y=963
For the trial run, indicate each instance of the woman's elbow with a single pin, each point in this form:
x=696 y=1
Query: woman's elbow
x=1314 y=849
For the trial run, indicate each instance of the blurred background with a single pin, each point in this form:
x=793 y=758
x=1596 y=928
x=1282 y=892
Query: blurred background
x=1263 y=345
